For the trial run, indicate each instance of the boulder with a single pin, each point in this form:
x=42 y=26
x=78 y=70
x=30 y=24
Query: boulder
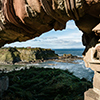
x=4 y=83
x=67 y=55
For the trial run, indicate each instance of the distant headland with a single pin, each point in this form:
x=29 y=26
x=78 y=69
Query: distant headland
x=23 y=55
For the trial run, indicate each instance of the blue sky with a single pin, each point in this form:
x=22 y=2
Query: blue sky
x=67 y=38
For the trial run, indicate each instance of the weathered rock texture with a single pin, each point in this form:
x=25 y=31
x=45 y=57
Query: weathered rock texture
x=92 y=60
x=15 y=55
x=21 y=20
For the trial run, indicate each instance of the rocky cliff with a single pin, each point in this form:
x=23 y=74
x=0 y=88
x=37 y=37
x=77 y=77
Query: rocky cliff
x=14 y=55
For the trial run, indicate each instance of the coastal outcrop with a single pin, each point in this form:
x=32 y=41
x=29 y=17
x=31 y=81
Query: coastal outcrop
x=25 y=55
x=69 y=58
x=32 y=55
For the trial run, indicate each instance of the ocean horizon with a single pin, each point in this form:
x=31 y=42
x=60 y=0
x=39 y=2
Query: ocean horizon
x=73 y=51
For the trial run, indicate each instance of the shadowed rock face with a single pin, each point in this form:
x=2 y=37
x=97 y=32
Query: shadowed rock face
x=21 y=20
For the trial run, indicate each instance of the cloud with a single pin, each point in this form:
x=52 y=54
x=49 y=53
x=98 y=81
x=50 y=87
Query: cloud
x=71 y=25
x=68 y=38
x=49 y=43
x=49 y=38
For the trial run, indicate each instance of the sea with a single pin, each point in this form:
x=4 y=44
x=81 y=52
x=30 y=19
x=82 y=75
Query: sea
x=78 y=68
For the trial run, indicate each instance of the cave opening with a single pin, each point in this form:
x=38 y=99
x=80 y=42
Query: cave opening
x=70 y=37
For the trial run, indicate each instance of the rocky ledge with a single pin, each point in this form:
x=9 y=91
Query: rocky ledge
x=68 y=58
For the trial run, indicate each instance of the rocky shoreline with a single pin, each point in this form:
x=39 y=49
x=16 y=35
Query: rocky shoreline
x=41 y=83
x=69 y=58
x=9 y=56
x=20 y=56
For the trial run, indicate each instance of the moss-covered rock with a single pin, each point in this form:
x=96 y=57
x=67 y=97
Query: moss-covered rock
x=13 y=55
x=9 y=55
x=45 y=84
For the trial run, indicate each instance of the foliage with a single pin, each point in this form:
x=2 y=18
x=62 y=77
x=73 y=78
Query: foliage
x=45 y=84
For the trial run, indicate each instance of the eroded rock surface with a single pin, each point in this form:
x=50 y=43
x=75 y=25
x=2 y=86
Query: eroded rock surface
x=21 y=20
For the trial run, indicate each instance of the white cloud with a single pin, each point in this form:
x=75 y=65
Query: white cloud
x=49 y=43
x=68 y=38
x=71 y=25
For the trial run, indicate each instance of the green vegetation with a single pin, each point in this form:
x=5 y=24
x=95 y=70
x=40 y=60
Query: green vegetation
x=9 y=55
x=45 y=84
x=12 y=55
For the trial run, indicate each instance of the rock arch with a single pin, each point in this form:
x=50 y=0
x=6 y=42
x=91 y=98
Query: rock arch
x=21 y=20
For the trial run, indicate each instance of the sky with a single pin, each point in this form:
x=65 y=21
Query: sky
x=67 y=38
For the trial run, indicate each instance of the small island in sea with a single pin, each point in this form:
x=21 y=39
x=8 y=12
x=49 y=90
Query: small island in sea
x=36 y=83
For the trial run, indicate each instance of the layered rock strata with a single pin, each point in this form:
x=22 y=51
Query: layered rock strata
x=26 y=19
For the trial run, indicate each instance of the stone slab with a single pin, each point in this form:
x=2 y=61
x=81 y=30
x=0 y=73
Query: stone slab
x=96 y=80
x=91 y=95
x=95 y=66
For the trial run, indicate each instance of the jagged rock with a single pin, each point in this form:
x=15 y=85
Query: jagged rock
x=92 y=61
x=67 y=55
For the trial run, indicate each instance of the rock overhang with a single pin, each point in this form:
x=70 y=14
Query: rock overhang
x=27 y=19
